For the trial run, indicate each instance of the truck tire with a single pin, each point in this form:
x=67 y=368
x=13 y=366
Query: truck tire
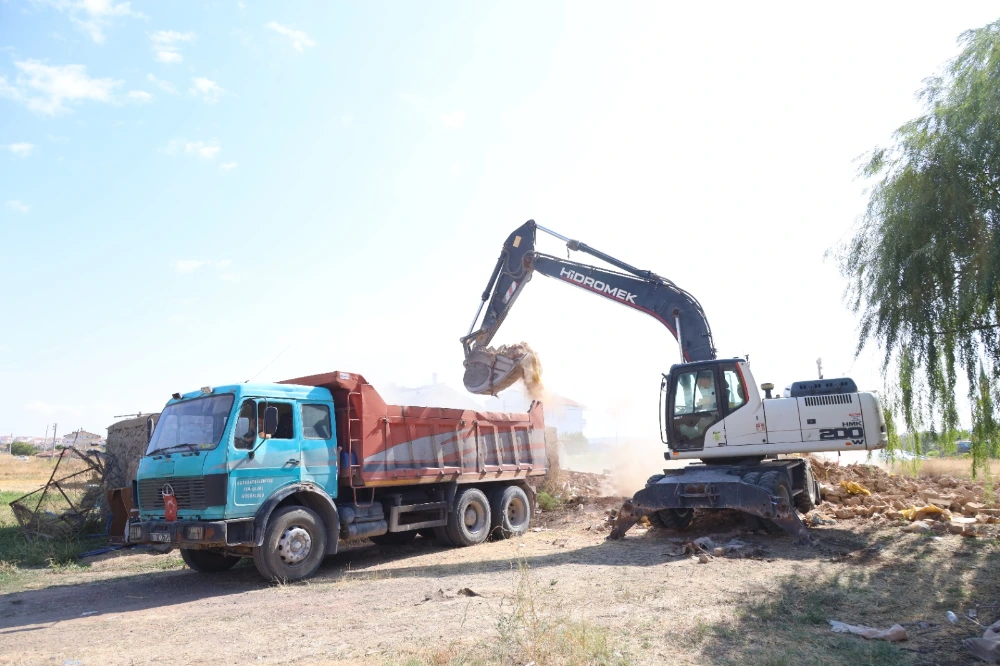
x=777 y=484
x=677 y=519
x=394 y=538
x=510 y=512
x=807 y=500
x=469 y=521
x=207 y=561
x=441 y=534
x=294 y=545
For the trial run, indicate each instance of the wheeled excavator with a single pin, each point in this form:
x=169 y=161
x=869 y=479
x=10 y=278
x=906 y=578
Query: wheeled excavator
x=710 y=408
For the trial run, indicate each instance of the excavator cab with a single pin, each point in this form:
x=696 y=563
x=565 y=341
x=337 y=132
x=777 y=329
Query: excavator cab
x=694 y=397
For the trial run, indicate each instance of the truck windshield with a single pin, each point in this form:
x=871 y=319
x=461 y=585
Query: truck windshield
x=192 y=424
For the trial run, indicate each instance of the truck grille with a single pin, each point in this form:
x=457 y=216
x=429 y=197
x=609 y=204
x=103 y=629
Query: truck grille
x=190 y=492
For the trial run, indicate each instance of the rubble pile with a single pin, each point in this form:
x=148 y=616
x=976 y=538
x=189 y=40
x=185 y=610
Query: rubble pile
x=578 y=487
x=960 y=506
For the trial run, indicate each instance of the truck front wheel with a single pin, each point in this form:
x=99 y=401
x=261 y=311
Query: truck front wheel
x=207 y=561
x=294 y=545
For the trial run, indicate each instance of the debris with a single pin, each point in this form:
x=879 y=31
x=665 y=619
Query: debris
x=893 y=633
x=704 y=558
x=62 y=506
x=561 y=543
x=705 y=543
x=951 y=617
x=917 y=527
x=86 y=613
x=853 y=488
x=986 y=648
x=929 y=511
x=468 y=592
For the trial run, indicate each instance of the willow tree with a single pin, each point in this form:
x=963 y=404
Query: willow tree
x=923 y=268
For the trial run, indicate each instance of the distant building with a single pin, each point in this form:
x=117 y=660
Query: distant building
x=81 y=439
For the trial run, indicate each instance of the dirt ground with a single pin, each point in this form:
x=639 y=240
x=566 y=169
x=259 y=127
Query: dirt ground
x=560 y=595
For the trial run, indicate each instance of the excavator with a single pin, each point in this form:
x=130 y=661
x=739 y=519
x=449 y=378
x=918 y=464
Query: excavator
x=710 y=408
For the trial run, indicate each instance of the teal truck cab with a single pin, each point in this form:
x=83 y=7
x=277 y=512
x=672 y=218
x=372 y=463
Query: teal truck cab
x=283 y=472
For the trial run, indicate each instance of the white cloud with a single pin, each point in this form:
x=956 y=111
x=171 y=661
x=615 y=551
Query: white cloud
x=22 y=208
x=455 y=119
x=21 y=149
x=209 y=91
x=205 y=151
x=165 y=86
x=167 y=43
x=229 y=166
x=300 y=40
x=94 y=16
x=221 y=267
x=48 y=88
x=188 y=265
x=139 y=96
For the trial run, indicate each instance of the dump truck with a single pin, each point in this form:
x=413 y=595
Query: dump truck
x=710 y=408
x=283 y=473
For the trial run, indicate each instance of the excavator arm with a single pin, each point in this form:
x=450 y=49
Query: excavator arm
x=488 y=371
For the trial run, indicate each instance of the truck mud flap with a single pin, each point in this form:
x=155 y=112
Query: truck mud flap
x=711 y=490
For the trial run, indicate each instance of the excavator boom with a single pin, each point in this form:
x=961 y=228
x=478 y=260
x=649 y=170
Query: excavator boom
x=488 y=372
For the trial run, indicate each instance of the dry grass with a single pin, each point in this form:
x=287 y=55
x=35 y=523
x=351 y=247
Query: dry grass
x=27 y=475
x=959 y=468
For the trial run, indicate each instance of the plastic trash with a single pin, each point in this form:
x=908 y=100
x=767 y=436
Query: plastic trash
x=986 y=648
x=853 y=488
x=893 y=633
x=951 y=617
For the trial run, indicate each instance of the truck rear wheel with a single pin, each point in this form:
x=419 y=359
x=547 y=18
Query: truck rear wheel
x=510 y=512
x=469 y=521
x=207 y=561
x=294 y=545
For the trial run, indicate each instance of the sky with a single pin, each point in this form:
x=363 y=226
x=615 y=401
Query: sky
x=200 y=194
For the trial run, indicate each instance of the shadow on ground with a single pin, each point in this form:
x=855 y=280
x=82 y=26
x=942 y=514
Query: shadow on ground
x=786 y=622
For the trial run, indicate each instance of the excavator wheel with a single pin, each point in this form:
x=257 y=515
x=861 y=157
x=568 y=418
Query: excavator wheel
x=807 y=500
x=775 y=483
x=677 y=519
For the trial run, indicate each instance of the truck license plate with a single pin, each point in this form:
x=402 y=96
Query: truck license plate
x=160 y=536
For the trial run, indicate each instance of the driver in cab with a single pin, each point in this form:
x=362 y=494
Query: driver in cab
x=705 y=393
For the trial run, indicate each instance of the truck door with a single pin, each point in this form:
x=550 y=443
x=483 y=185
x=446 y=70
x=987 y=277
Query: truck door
x=318 y=445
x=275 y=461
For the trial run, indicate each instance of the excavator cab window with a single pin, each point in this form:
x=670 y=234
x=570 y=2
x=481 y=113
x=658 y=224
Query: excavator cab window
x=694 y=407
x=733 y=390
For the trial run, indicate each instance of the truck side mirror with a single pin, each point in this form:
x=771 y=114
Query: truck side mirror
x=270 y=421
x=150 y=424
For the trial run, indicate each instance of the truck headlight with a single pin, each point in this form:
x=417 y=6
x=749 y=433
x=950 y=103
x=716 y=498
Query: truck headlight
x=134 y=532
x=195 y=532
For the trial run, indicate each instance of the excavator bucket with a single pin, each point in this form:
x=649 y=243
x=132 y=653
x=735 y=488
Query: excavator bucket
x=489 y=371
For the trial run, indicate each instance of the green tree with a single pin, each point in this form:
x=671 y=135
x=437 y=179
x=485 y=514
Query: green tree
x=22 y=449
x=575 y=443
x=924 y=267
